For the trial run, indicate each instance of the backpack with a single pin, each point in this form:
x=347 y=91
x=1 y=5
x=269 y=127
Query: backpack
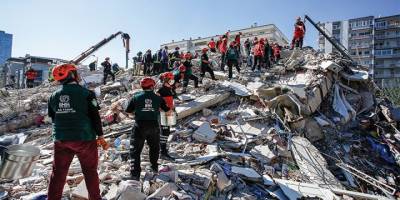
x=231 y=54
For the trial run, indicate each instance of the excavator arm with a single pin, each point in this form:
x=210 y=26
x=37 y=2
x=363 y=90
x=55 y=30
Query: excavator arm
x=92 y=49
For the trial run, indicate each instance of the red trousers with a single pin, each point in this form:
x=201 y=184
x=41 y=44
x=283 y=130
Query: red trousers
x=64 y=152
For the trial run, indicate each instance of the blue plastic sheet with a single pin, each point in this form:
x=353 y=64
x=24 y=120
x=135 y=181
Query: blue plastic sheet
x=382 y=150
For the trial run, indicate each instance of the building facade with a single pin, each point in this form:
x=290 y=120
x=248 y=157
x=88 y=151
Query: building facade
x=5 y=46
x=15 y=68
x=373 y=42
x=270 y=31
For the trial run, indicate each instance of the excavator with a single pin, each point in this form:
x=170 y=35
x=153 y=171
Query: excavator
x=81 y=57
x=125 y=39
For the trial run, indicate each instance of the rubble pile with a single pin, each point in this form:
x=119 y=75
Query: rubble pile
x=312 y=126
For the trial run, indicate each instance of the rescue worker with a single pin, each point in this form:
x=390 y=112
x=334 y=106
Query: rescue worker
x=247 y=46
x=223 y=48
x=277 y=52
x=237 y=41
x=164 y=59
x=211 y=45
x=147 y=62
x=258 y=51
x=188 y=74
x=175 y=58
x=205 y=65
x=156 y=63
x=145 y=105
x=107 y=70
x=299 y=32
x=267 y=54
x=76 y=123
x=92 y=66
x=179 y=75
x=30 y=77
x=232 y=57
x=167 y=92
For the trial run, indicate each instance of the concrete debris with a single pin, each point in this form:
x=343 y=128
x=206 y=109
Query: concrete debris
x=282 y=133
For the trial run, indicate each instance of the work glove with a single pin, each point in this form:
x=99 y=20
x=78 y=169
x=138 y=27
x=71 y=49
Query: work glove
x=103 y=143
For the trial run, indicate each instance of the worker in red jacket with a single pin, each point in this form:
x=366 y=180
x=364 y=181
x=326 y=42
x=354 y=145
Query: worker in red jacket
x=299 y=32
x=237 y=41
x=277 y=52
x=258 y=51
x=223 y=47
x=30 y=77
x=167 y=92
x=212 y=46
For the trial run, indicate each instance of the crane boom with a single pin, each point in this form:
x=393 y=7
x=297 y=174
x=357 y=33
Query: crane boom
x=88 y=52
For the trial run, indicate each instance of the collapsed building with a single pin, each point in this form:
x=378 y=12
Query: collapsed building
x=311 y=127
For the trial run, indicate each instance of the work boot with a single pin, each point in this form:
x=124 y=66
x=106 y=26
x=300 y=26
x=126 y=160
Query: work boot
x=152 y=169
x=166 y=156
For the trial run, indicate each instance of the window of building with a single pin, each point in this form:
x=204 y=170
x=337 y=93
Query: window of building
x=384 y=52
x=366 y=52
x=380 y=24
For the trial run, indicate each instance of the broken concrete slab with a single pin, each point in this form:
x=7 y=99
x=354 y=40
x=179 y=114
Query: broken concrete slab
x=263 y=153
x=239 y=89
x=204 y=133
x=296 y=190
x=81 y=191
x=205 y=101
x=223 y=182
x=331 y=66
x=130 y=190
x=247 y=173
x=312 y=163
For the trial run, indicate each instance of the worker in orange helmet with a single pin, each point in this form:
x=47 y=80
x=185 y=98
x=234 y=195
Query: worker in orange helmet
x=205 y=65
x=299 y=32
x=145 y=105
x=167 y=92
x=76 y=123
x=188 y=74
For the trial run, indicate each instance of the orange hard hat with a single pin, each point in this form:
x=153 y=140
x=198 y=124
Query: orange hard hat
x=182 y=68
x=61 y=72
x=204 y=50
x=167 y=76
x=147 y=82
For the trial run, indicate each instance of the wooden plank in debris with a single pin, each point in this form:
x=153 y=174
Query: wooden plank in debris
x=200 y=103
x=311 y=163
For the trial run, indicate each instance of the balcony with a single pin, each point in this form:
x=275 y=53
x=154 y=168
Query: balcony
x=396 y=55
x=360 y=37
x=361 y=27
x=364 y=46
x=383 y=66
x=382 y=37
x=387 y=27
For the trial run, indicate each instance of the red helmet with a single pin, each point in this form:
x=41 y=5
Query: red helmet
x=61 y=72
x=188 y=56
x=166 y=76
x=182 y=68
x=147 y=82
x=204 y=50
x=233 y=43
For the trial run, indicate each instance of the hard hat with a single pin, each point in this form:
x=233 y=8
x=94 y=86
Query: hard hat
x=188 y=55
x=147 y=82
x=107 y=58
x=182 y=68
x=204 y=50
x=233 y=43
x=167 y=76
x=61 y=72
